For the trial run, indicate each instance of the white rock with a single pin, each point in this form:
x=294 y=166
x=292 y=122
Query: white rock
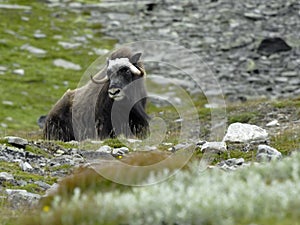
x=39 y=35
x=273 y=123
x=33 y=50
x=3 y=68
x=14 y=6
x=120 y=151
x=25 y=166
x=104 y=149
x=68 y=45
x=66 y=64
x=5 y=102
x=243 y=133
x=214 y=147
x=150 y=148
x=130 y=140
x=13 y=191
x=99 y=51
x=124 y=149
x=20 y=72
x=6 y=176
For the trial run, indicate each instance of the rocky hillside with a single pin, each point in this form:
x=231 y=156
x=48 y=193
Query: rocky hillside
x=247 y=174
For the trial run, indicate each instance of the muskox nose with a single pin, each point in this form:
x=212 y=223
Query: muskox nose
x=115 y=93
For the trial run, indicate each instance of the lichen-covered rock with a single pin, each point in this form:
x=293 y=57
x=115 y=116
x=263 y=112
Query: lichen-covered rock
x=267 y=153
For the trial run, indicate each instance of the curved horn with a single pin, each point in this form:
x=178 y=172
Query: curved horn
x=101 y=81
x=134 y=70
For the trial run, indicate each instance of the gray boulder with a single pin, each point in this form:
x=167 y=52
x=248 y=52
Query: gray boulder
x=267 y=153
x=245 y=133
x=19 y=198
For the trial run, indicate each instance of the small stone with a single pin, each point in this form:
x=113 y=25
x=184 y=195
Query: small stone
x=100 y=51
x=59 y=152
x=290 y=74
x=5 y=102
x=104 y=149
x=179 y=147
x=39 y=35
x=124 y=149
x=253 y=15
x=251 y=66
x=66 y=64
x=25 y=166
x=116 y=152
x=214 y=147
x=233 y=162
x=6 y=176
x=150 y=148
x=33 y=50
x=14 y=6
x=3 y=68
x=42 y=184
x=273 y=123
x=23 y=18
x=281 y=79
x=245 y=133
x=68 y=45
x=133 y=140
x=16 y=141
x=267 y=153
x=20 y=72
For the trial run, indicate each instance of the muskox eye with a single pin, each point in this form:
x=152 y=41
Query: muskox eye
x=127 y=71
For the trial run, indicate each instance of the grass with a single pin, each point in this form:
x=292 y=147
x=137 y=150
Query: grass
x=15 y=169
x=42 y=85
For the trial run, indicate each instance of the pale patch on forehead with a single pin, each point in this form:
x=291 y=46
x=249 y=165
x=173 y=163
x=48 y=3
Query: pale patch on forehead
x=115 y=64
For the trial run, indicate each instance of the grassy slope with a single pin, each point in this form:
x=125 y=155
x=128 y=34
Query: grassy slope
x=43 y=83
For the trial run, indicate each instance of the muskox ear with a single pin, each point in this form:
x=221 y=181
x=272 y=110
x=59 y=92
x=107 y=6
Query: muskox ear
x=135 y=58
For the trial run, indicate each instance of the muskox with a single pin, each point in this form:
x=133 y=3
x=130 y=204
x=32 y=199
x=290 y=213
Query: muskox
x=110 y=104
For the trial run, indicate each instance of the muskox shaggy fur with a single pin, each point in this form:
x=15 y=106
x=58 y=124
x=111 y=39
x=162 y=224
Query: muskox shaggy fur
x=112 y=103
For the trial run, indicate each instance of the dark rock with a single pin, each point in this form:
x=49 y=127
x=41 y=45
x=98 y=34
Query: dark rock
x=273 y=45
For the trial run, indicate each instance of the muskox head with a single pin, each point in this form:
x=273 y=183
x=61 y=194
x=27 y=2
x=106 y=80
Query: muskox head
x=120 y=72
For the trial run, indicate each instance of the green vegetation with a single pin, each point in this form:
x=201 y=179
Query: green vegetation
x=15 y=169
x=42 y=84
x=264 y=194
